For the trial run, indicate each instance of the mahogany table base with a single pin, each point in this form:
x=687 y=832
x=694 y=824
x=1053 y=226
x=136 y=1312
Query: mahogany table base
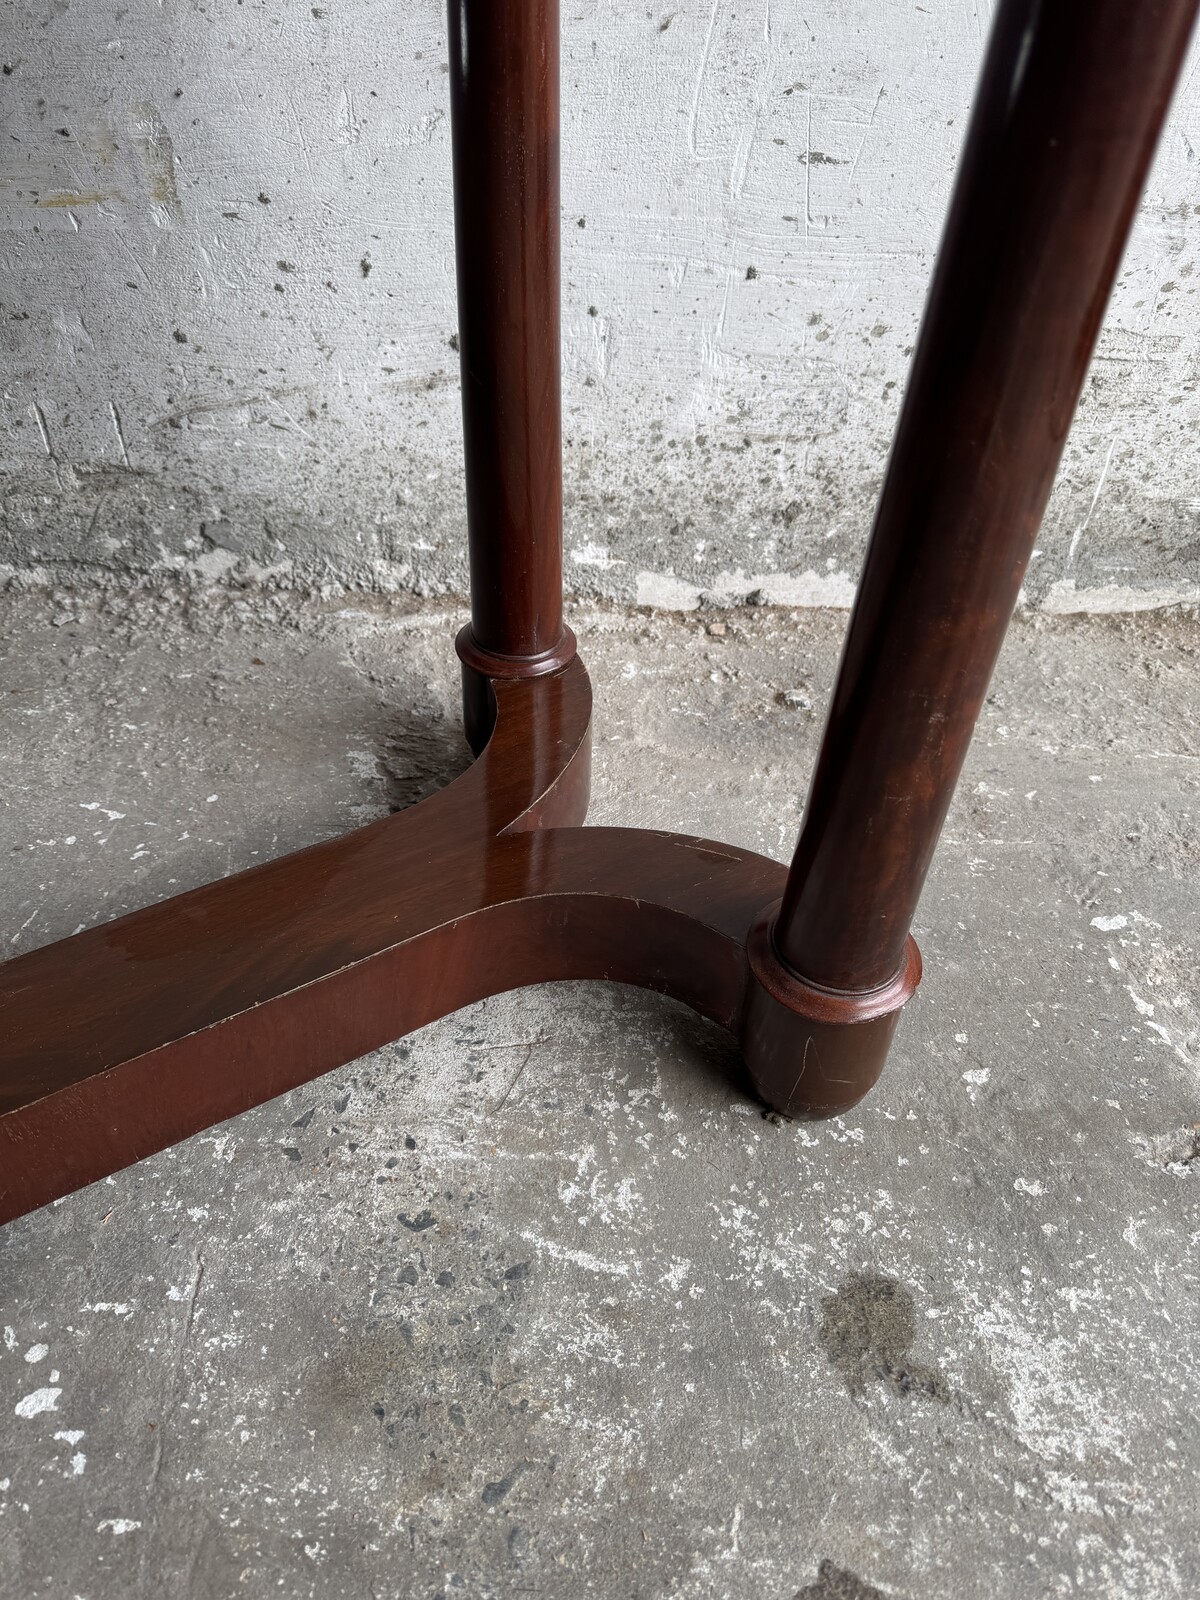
x=141 y=1032
x=129 y=1037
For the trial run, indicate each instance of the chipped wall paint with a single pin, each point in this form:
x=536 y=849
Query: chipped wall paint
x=229 y=299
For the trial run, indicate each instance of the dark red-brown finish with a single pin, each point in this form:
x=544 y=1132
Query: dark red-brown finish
x=137 y=1033
x=814 y=1052
x=481 y=667
x=504 y=119
x=1067 y=115
x=140 y=1032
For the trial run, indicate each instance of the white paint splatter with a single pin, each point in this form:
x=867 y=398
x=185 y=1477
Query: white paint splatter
x=40 y=1400
x=1060 y=1410
x=578 y=1258
x=591 y=554
x=118 y=1525
x=1066 y=1488
x=1110 y=924
x=734 y=1530
x=36 y=1353
x=676 y=1274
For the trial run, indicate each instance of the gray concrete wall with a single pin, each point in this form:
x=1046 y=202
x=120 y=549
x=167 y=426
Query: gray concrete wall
x=228 y=299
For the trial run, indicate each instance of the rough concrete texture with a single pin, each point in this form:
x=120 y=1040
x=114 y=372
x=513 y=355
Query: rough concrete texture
x=228 y=300
x=538 y=1301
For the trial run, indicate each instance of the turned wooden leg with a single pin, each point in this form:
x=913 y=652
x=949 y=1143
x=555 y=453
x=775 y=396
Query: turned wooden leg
x=504 y=119
x=1067 y=114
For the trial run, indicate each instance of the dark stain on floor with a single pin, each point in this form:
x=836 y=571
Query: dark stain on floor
x=838 y=1583
x=867 y=1330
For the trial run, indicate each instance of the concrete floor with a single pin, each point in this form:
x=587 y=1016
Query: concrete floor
x=537 y=1302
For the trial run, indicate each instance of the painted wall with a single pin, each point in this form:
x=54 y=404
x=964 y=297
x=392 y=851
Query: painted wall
x=228 y=299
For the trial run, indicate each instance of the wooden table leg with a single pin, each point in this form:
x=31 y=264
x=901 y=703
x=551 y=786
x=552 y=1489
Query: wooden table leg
x=504 y=121
x=1067 y=115
x=138 y=1032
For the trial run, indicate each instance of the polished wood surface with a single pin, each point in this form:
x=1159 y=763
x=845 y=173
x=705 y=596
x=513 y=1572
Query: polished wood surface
x=656 y=910
x=188 y=962
x=1069 y=108
x=504 y=121
x=139 y=1032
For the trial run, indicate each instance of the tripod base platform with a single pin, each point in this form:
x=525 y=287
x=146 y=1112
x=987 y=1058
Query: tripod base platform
x=138 y=1033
